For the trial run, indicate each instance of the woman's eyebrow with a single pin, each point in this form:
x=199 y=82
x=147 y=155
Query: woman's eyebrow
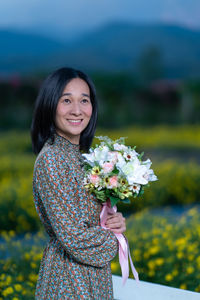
x=86 y=95
x=68 y=94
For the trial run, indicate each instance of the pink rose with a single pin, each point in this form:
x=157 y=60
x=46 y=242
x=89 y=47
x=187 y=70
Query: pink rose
x=94 y=179
x=107 y=167
x=113 y=182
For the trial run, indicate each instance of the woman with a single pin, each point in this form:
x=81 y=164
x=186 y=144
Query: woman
x=76 y=260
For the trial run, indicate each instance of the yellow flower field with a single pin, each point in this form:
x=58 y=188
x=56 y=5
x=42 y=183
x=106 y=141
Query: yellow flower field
x=158 y=137
x=164 y=242
x=165 y=246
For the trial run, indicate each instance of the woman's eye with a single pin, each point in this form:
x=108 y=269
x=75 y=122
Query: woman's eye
x=67 y=100
x=85 y=100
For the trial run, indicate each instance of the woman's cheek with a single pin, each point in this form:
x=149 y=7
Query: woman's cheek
x=90 y=112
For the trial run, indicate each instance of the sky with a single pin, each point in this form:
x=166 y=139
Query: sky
x=80 y=15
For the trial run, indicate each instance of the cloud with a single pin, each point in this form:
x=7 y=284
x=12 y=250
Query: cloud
x=72 y=14
x=186 y=12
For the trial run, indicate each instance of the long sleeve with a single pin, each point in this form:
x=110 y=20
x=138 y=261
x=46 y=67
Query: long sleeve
x=55 y=185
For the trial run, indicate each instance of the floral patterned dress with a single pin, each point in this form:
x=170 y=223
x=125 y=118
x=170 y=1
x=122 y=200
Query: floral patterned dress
x=76 y=259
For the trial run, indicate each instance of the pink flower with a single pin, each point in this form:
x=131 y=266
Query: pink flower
x=94 y=179
x=113 y=182
x=113 y=156
x=107 y=167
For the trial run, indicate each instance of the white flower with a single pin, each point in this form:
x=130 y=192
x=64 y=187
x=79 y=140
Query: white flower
x=98 y=155
x=86 y=180
x=101 y=154
x=130 y=155
x=89 y=158
x=134 y=172
x=120 y=147
x=120 y=161
x=149 y=175
x=147 y=163
x=135 y=188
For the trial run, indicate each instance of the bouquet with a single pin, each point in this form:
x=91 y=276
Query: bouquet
x=115 y=172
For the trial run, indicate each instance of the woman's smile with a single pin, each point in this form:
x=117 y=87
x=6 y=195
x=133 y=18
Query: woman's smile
x=75 y=122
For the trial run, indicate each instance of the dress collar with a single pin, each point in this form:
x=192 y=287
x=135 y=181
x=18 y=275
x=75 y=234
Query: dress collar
x=65 y=143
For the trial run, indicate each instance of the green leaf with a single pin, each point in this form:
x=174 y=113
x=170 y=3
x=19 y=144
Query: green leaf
x=100 y=195
x=113 y=200
x=141 y=192
x=107 y=192
x=126 y=200
x=140 y=156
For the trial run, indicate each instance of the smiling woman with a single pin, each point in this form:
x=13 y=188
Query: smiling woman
x=66 y=96
x=76 y=260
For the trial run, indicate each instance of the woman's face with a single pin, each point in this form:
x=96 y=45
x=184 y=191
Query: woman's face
x=74 y=110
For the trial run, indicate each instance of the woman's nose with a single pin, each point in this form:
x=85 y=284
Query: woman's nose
x=76 y=109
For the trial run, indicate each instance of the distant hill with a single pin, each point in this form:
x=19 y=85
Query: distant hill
x=114 y=46
x=23 y=52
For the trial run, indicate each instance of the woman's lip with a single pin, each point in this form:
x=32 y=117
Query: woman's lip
x=74 y=121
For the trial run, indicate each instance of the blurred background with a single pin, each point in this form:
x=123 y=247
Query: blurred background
x=144 y=58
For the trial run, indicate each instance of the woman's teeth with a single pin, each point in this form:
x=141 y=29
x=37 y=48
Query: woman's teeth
x=75 y=121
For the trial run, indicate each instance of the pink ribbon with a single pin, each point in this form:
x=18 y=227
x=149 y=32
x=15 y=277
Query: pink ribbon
x=124 y=251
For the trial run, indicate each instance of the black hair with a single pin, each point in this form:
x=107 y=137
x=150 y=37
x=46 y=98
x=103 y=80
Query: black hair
x=43 y=122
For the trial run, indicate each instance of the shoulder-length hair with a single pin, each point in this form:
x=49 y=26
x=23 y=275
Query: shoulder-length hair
x=43 y=122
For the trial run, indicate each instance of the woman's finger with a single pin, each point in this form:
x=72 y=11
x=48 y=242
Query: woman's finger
x=114 y=219
x=120 y=230
x=115 y=225
x=116 y=215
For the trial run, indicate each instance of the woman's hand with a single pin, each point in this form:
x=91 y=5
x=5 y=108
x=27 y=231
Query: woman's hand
x=116 y=222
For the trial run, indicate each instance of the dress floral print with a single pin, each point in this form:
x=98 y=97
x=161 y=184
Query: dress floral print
x=76 y=259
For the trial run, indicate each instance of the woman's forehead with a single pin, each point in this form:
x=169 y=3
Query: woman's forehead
x=77 y=86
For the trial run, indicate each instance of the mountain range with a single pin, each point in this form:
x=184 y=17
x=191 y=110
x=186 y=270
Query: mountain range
x=113 y=47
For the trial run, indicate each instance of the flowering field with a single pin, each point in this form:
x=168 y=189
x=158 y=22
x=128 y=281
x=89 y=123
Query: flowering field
x=159 y=137
x=19 y=263
x=17 y=207
x=164 y=246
